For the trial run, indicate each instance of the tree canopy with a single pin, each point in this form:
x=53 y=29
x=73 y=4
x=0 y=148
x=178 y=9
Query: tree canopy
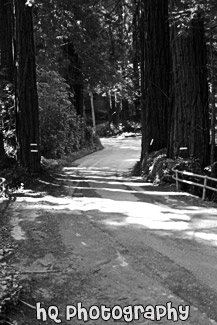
x=115 y=49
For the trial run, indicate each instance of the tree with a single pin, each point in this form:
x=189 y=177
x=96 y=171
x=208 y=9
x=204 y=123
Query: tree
x=26 y=89
x=155 y=86
x=189 y=110
x=137 y=34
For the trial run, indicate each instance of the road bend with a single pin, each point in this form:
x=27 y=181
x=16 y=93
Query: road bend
x=115 y=240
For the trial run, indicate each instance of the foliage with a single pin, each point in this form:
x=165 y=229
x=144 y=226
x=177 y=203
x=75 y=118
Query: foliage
x=9 y=285
x=157 y=168
x=8 y=118
x=9 y=277
x=100 y=37
x=101 y=42
x=127 y=128
x=62 y=131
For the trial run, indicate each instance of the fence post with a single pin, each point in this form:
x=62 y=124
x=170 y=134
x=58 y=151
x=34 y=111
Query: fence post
x=177 y=180
x=204 y=188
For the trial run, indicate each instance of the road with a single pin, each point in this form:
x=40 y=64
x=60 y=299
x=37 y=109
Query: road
x=111 y=239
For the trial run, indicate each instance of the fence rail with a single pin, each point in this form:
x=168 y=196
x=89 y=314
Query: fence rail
x=204 y=186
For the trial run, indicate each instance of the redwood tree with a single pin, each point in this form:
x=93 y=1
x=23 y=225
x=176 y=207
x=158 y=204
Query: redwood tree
x=190 y=112
x=156 y=75
x=26 y=90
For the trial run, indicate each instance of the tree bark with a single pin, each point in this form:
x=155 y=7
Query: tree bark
x=27 y=97
x=155 y=95
x=136 y=58
x=92 y=111
x=213 y=109
x=190 y=113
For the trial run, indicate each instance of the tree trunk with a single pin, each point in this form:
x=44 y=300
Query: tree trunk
x=114 y=117
x=27 y=98
x=109 y=109
x=190 y=113
x=156 y=79
x=142 y=72
x=136 y=59
x=93 y=111
x=213 y=113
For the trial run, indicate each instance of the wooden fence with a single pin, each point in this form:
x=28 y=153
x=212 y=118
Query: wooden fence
x=204 y=186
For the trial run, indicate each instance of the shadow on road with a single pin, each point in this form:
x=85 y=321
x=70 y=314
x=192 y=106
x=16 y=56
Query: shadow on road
x=129 y=202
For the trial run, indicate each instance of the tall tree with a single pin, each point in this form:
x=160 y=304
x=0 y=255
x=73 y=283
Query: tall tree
x=156 y=78
x=26 y=90
x=190 y=110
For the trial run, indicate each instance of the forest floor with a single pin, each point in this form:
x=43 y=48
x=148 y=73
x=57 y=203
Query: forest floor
x=92 y=234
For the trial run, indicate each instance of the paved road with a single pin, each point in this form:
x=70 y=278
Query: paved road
x=119 y=154
x=115 y=240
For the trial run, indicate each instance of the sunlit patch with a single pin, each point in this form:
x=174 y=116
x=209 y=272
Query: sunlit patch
x=83 y=243
x=133 y=160
x=17 y=232
x=159 y=224
x=210 y=237
x=115 y=223
x=48 y=183
x=105 y=180
x=46 y=199
x=121 y=260
x=152 y=193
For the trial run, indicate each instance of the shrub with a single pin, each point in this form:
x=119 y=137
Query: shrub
x=62 y=130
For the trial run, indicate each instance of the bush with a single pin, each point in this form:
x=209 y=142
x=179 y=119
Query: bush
x=62 y=130
x=7 y=111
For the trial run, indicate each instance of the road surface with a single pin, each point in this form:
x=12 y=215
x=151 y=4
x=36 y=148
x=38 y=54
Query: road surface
x=103 y=238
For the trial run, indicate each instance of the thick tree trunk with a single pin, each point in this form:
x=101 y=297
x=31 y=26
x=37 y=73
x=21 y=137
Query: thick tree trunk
x=156 y=78
x=27 y=98
x=190 y=113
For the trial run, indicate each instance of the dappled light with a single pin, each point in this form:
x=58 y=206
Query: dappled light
x=94 y=94
x=128 y=202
